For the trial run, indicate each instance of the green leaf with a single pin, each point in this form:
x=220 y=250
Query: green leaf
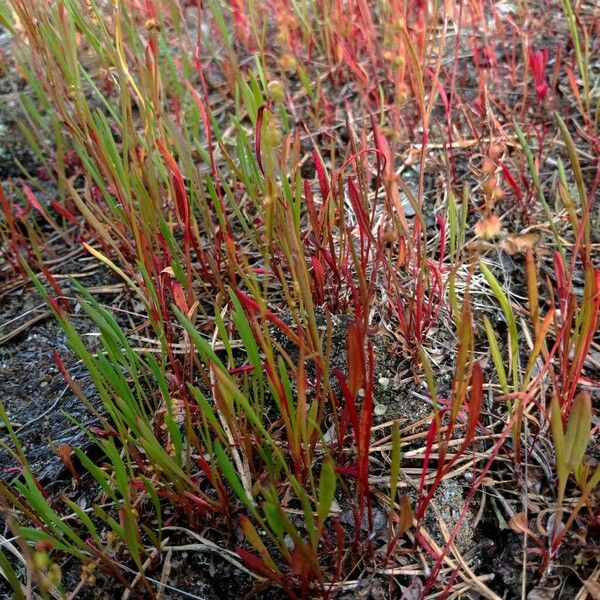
x=326 y=489
x=273 y=516
x=510 y=320
x=594 y=480
x=203 y=347
x=582 y=61
x=578 y=430
x=395 y=462
x=254 y=538
x=155 y=503
x=10 y=575
x=207 y=411
x=496 y=355
x=7 y=19
x=558 y=437
x=98 y=474
x=309 y=521
x=232 y=477
x=83 y=517
x=245 y=331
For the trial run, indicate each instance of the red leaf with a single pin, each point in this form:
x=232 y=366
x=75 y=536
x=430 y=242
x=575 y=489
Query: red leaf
x=382 y=145
x=350 y=412
x=312 y=213
x=351 y=470
x=475 y=403
x=562 y=286
x=258 y=134
x=199 y=503
x=181 y=198
x=359 y=210
x=537 y=64
x=54 y=284
x=257 y=565
x=252 y=306
x=33 y=201
x=330 y=262
x=511 y=182
x=102 y=433
x=424 y=500
x=321 y=174
x=354 y=66
x=63 y=212
x=356 y=357
x=242 y=369
x=65 y=452
x=319 y=276
x=179 y=297
x=35 y=204
x=442 y=225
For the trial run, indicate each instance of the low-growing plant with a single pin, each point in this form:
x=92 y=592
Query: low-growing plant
x=244 y=169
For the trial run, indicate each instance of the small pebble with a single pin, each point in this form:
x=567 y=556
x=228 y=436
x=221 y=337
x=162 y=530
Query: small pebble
x=380 y=409
x=384 y=382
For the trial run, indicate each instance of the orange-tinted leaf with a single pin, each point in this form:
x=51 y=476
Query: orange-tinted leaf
x=65 y=452
x=382 y=145
x=405 y=520
x=179 y=297
x=251 y=534
x=356 y=358
x=319 y=276
x=518 y=523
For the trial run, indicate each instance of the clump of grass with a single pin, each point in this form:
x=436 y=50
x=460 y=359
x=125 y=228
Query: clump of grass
x=204 y=166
